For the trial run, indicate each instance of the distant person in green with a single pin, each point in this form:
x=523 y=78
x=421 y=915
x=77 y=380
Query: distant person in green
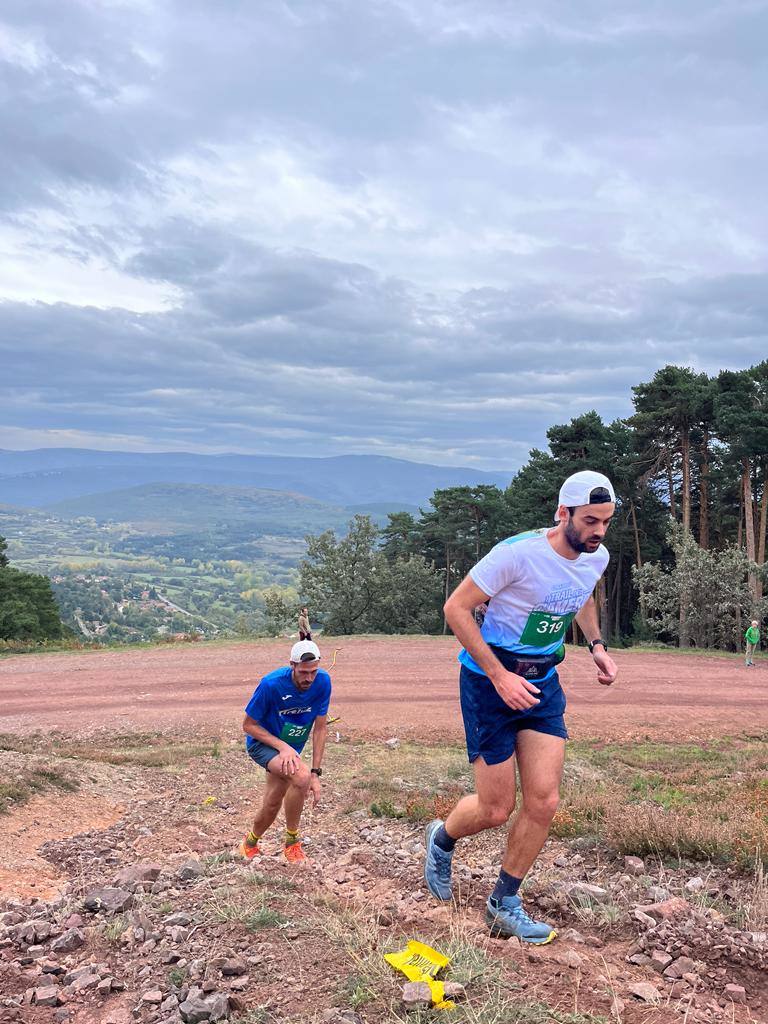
x=752 y=637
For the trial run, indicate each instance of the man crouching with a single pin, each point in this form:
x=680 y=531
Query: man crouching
x=285 y=706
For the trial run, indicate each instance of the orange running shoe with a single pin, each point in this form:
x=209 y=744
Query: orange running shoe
x=249 y=852
x=294 y=853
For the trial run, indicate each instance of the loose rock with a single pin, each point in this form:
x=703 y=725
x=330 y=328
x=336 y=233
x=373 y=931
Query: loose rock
x=137 y=873
x=109 y=899
x=588 y=892
x=416 y=995
x=190 y=869
x=48 y=995
x=644 y=990
x=634 y=865
x=736 y=993
x=71 y=940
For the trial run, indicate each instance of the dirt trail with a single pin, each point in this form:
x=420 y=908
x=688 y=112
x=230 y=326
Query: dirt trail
x=361 y=894
x=23 y=872
x=407 y=685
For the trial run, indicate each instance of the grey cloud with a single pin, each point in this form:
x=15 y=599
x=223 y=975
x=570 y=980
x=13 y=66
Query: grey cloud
x=430 y=226
x=504 y=366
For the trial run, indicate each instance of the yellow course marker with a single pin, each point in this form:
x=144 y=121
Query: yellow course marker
x=419 y=962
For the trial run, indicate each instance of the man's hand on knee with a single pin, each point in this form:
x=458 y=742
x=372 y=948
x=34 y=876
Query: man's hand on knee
x=288 y=761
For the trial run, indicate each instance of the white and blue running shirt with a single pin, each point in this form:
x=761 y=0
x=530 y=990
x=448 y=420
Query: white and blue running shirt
x=534 y=593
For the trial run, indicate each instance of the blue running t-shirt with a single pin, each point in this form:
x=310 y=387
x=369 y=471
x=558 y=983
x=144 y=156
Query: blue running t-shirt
x=282 y=709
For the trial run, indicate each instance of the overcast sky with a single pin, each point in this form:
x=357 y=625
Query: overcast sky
x=420 y=228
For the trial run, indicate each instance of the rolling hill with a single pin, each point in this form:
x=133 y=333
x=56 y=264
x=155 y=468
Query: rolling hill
x=46 y=476
x=165 y=508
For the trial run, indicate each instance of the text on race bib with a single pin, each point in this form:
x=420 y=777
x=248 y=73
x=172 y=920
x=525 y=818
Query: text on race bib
x=292 y=733
x=545 y=628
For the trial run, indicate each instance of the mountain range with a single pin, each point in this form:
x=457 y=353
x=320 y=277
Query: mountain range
x=46 y=477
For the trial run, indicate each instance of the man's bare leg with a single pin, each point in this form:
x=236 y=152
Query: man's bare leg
x=293 y=806
x=490 y=805
x=540 y=764
x=274 y=791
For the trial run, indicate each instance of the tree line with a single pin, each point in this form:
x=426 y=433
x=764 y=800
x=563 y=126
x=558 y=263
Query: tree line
x=687 y=544
x=28 y=610
x=688 y=566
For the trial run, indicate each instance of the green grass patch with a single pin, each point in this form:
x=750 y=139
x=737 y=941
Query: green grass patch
x=258 y=1015
x=177 y=976
x=276 y=883
x=251 y=910
x=114 y=929
x=413 y=782
x=264 y=917
x=214 y=860
x=356 y=990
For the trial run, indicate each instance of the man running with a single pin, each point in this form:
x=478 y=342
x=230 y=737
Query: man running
x=752 y=639
x=285 y=706
x=511 y=700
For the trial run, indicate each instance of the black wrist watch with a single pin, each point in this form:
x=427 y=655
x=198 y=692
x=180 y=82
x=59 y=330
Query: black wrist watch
x=593 y=643
x=316 y=771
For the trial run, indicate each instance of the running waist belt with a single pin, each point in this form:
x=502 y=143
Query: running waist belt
x=529 y=666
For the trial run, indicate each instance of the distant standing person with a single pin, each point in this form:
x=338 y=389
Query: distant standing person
x=752 y=639
x=511 y=700
x=305 y=631
x=287 y=704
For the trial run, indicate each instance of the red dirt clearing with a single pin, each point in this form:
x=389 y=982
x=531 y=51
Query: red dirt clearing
x=382 y=686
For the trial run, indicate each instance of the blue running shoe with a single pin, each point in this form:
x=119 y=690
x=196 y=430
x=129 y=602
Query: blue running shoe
x=506 y=918
x=437 y=865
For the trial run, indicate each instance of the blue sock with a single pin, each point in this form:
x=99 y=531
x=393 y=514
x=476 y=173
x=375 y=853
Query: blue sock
x=507 y=885
x=443 y=840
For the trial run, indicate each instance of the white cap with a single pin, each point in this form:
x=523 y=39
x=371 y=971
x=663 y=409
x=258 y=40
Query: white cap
x=305 y=650
x=579 y=486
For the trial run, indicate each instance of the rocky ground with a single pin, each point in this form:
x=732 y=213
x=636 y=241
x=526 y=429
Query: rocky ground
x=149 y=918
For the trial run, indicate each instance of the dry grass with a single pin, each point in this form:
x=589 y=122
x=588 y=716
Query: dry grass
x=28 y=783
x=755 y=908
x=113 y=930
x=493 y=994
x=672 y=800
x=681 y=801
x=142 y=750
x=413 y=782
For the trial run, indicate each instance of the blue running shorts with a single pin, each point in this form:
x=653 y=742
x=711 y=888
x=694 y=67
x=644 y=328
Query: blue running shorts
x=261 y=753
x=491 y=726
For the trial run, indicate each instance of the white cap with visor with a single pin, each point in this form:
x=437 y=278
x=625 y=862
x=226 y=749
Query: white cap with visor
x=578 y=488
x=305 y=650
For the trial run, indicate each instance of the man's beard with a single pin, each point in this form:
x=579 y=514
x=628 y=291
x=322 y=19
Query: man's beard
x=572 y=536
